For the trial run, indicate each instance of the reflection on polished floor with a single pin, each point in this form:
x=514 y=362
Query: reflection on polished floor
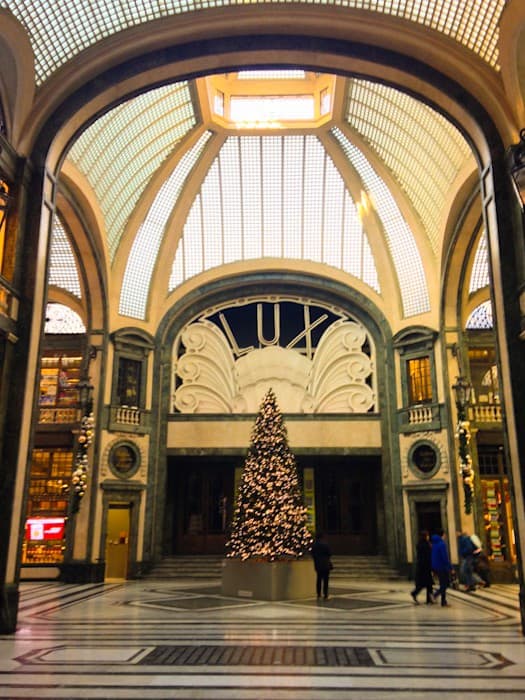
x=182 y=639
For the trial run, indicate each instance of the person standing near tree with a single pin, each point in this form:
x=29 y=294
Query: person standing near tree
x=441 y=565
x=423 y=576
x=322 y=554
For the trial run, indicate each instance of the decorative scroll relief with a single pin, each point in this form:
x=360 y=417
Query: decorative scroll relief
x=341 y=371
x=206 y=370
x=339 y=379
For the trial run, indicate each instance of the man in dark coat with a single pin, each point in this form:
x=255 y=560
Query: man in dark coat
x=321 y=554
x=423 y=577
x=441 y=565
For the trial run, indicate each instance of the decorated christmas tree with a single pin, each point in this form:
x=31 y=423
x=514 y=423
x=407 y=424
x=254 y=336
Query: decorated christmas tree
x=270 y=517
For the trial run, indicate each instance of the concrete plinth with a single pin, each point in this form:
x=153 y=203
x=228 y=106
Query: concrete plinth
x=265 y=580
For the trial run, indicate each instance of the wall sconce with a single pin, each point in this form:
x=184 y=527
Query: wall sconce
x=516 y=164
x=85 y=390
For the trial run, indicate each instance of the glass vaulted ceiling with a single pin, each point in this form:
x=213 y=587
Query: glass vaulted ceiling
x=59 y=30
x=424 y=154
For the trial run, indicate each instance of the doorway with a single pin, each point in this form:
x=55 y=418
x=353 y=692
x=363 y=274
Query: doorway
x=428 y=516
x=199 y=505
x=117 y=540
x=346 y=498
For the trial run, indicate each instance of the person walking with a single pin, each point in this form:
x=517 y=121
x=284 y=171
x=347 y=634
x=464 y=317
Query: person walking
x=466 y=564
x=423 y=575
x=441 y=565
x=322 y=554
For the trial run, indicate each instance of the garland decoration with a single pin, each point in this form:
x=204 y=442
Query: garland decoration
x=80 y=472
x=465 y=463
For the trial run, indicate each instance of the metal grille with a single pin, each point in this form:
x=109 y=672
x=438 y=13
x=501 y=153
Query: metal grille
x=257 y=656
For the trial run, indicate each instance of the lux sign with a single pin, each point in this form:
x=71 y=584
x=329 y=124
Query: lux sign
x=268 y=333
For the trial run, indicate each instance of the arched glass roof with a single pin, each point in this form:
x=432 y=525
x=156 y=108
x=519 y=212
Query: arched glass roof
x=125 y=147
x=411 y=138
x=145 y=248
x=481 y=318
x=62 y=319
x=400 y=239
x=479 y=276
x=59 y=31
x=277 y=197
x=63 y=270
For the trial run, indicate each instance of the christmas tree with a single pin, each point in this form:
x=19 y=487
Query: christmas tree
x=270 y=518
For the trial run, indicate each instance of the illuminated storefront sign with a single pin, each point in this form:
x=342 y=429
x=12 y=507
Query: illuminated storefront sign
x=41 y=529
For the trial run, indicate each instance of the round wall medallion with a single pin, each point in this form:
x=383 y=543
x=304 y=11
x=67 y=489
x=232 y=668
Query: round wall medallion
x=423 y=459
x=124 y=459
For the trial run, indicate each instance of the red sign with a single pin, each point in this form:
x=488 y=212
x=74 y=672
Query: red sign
x=45 y=529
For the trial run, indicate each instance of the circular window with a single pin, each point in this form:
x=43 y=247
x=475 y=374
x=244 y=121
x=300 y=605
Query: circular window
x=424 y=459
x=124 y=459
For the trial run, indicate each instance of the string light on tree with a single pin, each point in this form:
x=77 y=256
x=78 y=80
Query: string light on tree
x=270 y=520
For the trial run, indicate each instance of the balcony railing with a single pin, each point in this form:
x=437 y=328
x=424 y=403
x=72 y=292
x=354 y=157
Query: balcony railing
x=485 y=413
x=128 y=419
x=421 y=416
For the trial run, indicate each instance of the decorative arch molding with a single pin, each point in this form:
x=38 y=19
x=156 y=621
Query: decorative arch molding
x=415 y=338
x=298 y=284
x=17 y=79
x=437 y=72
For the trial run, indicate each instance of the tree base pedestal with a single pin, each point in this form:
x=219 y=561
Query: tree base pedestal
x=268 y=580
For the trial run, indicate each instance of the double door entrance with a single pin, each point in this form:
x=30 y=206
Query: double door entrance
x=200 y=502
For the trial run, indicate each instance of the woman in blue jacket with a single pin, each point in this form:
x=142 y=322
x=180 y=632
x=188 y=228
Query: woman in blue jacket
x=441 y=565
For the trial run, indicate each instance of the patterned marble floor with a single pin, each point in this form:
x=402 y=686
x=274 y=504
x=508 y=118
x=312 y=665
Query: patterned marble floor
x=182 y=639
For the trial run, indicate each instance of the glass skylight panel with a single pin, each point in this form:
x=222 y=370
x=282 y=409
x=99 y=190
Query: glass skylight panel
x=292 y=193
x=481 y=318
x=121 y=151
x=271 y=75
x=479 y=276
x=273 y=196
x=267 y=109
x=272 y=186
x=402 y=246
x=61 y=30
x=251 y=196
x=144 y=251
x=412 y=139
x=63 y=271
x=62 y=319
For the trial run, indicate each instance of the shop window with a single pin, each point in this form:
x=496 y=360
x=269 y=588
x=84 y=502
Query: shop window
x=418 y=372
x=419 y=382
x=129 y=382
x=49 y=484
x=59 y=398
x=132 y=348
x=498 y=535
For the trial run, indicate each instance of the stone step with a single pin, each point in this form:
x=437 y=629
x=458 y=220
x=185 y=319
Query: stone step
x=210 y=566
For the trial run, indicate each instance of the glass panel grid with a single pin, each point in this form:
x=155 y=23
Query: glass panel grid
x=401 y=243
x=144 y=251
x=60 y=30
x=479 y=277
x=412 y=139
x=273 y=196
x=63 y=271
x=481 y=317
x=62 y=319
x=121 y=151
x=271 y=75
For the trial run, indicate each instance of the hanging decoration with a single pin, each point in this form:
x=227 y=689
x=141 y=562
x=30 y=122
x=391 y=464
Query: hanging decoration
x=463 y=389
x=80 y=472
x=465 y=463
